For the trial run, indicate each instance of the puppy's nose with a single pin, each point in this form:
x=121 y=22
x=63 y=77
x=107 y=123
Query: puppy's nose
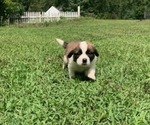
x=84 y=60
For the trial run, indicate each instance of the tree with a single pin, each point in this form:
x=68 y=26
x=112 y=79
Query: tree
x=36 y=5
x=3 y=14
x=25 y=3
x=13 y=10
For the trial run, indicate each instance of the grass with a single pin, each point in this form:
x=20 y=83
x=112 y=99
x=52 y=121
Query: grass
x=34 y=89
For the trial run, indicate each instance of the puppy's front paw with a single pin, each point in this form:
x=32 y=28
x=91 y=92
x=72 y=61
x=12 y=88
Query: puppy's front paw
x=92 y=77
x=91 y=74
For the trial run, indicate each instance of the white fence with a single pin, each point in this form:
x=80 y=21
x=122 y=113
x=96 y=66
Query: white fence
x=42 y=14
x=69 y=14
x=32 y=14
x=40 y=17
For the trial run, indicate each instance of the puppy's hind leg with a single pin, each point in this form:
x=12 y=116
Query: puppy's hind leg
x=71 y=72
x=65 y=62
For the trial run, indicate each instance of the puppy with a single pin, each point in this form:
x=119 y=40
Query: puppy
x=79 y=57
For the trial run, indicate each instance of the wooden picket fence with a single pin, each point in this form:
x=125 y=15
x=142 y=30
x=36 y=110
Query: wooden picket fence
x=40 y=17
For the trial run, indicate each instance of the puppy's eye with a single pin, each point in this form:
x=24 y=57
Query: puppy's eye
x=89 y=53
x=77 y=53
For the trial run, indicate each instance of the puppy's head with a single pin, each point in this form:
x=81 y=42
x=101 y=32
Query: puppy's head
x=82 y=53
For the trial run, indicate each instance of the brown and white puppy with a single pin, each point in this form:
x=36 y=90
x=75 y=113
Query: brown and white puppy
x=79 y=57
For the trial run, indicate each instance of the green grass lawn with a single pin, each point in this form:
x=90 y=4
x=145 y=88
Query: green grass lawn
x=35 y=90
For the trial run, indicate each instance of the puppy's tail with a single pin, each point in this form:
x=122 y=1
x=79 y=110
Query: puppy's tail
x=62 y=43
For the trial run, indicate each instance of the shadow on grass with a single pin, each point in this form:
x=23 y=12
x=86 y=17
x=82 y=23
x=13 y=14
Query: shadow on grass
x=82 y=77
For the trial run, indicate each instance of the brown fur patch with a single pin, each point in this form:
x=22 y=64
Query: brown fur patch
x=70 y=47
x=91 y=46
x=93 y=49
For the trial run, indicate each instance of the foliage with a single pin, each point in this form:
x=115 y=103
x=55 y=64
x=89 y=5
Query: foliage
x=106 y=9
x=122 y=9
x=13 y=9
x=25 y=3
x=10 y=9
x=2 y=12
x=35 y=90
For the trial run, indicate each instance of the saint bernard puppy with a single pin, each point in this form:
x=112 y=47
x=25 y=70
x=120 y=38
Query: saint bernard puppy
x=79 y=57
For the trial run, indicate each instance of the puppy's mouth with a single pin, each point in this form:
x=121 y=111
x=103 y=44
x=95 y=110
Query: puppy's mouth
x=84 y=64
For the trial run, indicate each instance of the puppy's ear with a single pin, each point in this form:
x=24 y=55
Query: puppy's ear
x=96 y=52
